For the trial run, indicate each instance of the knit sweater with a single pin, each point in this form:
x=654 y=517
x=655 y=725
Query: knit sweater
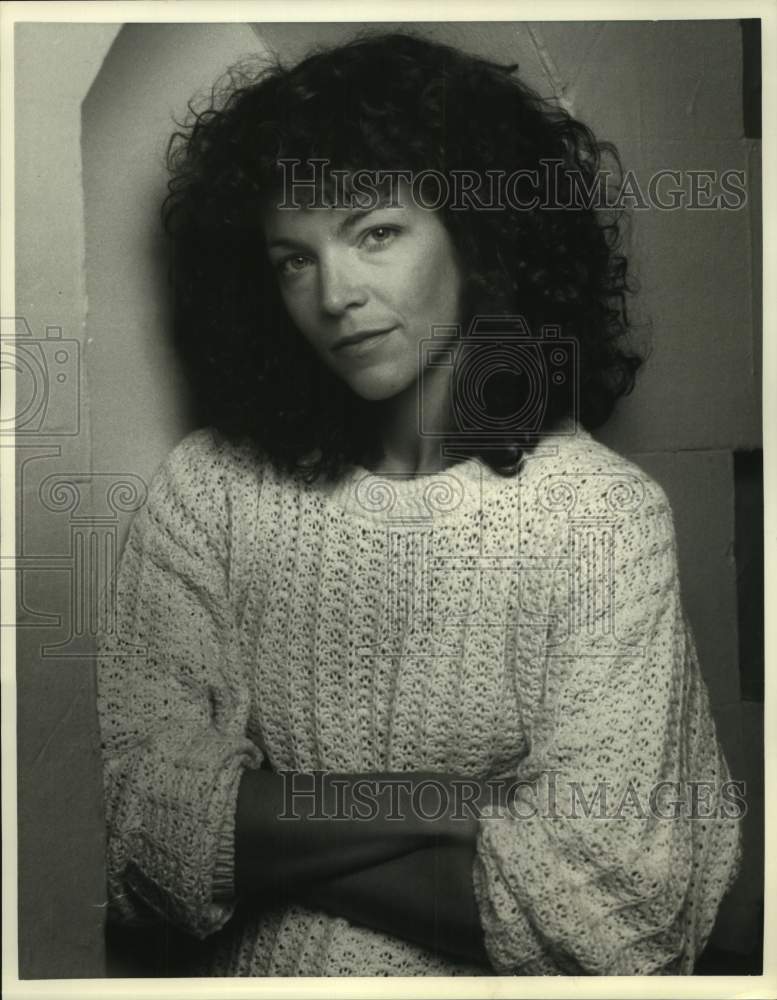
x=462 y=622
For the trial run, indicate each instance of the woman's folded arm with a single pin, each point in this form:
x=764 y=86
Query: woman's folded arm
x=594 y=869
x=193 y=819
x=172 y=723
x=425 y=897
x=295 y=829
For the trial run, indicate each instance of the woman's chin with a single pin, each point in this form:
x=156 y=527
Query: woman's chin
x=375 y=387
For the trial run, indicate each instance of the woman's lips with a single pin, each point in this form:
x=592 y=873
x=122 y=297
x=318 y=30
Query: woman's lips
x=365 y=345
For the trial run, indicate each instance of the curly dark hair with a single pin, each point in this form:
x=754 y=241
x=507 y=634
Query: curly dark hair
x=385 y=102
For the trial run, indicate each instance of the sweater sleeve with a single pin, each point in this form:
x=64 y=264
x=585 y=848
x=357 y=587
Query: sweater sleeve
x=171 y=703
x=621 y=841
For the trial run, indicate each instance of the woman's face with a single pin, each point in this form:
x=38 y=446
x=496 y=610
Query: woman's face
x=391 y=272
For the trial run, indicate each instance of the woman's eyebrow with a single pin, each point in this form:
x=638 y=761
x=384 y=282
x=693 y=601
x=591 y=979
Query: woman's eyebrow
x=284 y=241
x=355 y=215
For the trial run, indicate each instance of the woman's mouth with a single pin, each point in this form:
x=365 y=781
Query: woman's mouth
x=361 y=343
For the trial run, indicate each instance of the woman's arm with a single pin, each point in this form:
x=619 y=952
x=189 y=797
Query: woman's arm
x=285 y=841
x=425 y=897
x=603 y=865
x=172 y=706
x=178 y=764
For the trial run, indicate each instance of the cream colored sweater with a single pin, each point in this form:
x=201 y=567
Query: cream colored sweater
x=461 y=622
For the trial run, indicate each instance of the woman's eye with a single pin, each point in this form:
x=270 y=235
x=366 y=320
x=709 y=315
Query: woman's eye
x=292 y=265
x=379 y=236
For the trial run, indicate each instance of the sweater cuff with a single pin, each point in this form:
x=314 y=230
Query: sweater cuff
x=509 y=938
x=224 y=869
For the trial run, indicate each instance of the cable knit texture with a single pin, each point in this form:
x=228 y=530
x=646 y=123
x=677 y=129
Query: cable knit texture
x=462 y=622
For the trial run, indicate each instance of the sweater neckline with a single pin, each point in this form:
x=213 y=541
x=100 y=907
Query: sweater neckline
x=418 y=498
x=422 y=499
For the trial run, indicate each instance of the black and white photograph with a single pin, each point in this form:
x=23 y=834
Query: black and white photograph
x=383 y=499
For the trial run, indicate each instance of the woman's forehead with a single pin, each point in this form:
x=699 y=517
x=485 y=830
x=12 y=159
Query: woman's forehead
x=319 y=187
x=305 y=223
x=306 y=207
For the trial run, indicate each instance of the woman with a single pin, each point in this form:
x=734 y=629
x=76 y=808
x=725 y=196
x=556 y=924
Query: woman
x=404 y=685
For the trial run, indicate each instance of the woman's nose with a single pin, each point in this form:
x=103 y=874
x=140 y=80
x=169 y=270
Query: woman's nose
x=340 y=285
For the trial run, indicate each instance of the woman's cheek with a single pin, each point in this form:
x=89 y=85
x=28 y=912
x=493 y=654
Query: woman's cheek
x=298 y=304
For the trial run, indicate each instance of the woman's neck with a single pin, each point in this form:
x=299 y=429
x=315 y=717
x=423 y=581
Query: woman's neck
x=411 y=434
